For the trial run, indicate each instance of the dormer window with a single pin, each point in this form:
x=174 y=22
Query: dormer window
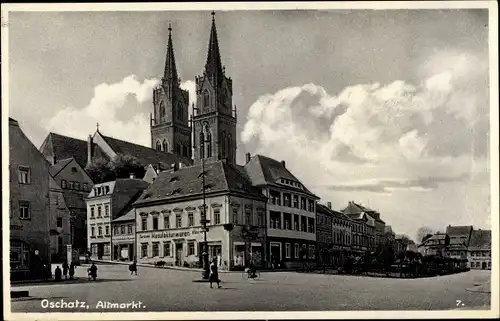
x=176 y=191
x=174 y=179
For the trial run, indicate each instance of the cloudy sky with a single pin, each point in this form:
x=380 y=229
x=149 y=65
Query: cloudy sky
x=386 y=108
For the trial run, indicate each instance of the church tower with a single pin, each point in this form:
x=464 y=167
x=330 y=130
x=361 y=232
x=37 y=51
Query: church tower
x=214 y=120
x=170 y=131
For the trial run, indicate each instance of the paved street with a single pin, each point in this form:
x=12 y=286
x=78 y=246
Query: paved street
x=173 y=290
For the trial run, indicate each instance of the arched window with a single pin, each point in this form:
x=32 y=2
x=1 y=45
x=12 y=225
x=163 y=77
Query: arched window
x=223 y=144
x=202 y=145
x=165 y=145
x=209 y=144
x=180 y=111
x=158 y=145
x=162 y=111
x=206 y=99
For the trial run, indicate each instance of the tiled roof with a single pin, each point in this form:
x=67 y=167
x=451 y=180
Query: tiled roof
x=355 y=208
x=480 y=239
x=220 y=177
x=129 y=216
x=264 y=170
x=145 y=154
x=59 y=166
x=437 y=237
x=65 y=147
x=459 y=230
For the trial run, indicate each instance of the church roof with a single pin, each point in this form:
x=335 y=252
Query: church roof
x=170 y=73
x=145 y=154
x=64 y=147
x=59 y=166
x=213 y=66
x=220 y=176
x=264 y=170
x=480 y=239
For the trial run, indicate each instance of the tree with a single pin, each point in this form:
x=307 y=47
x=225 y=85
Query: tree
x=123 y=165
x=422 y=232
x=100 y=171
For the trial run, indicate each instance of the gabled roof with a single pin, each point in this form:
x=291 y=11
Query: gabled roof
x=264 y=170
x=459 y=230
x=59 y=166
x=220 y=176
x=129 y=216
x=355 y=208
x=64 y=147
x=145 y=154
x=480 y=239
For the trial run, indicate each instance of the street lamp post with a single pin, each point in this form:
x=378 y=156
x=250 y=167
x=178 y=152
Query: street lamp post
x=206 y=266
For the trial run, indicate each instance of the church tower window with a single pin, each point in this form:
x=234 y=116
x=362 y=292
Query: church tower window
x=206 y=99
x=180 y=114
x=165 y=145
x=162 y=111
x=158 y=145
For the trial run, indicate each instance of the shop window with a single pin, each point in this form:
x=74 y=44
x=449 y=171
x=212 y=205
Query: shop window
x=191 y=248
x=156 y=249
x=166 y=249
x=144 y=250
x=288 y=250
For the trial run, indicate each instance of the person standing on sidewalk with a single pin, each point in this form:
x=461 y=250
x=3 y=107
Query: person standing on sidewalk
x=71 y=270
x=214 y=273
x=65 y=269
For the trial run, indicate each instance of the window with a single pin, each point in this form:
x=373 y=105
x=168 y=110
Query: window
x=156 y=249
x=166 y=249
x=166 y=222
x=158 y=145
x=303 y=224
x=144 y=223
x=144 y=250
x=180 y=114
x=99 y=230
x=71 y=185
x=310 y=225
x=59 y=222
x=248 y=217
x=296 y=250
x=185 y=151
x=92 y=212
x=178 y=220
x=288 y=250
x=130 y=229
x=107 y=230
x=190 y=219
x=209 y=144
x=122 y=229
x=303 y=203
x=92 y=231
x=106 y=210
x=311 y=206
x=155 y=222
x=296 y=201
x=24 y=210
x=162 y=111
x=296 y=223
x=260 y=219
x=85 y=187
x=287 y=219
x=191 y=248
x=275 y=197
x=287 y=200
x=24 y=175
x=202 y=145
x=77 y=186
x=235 y=216
x=206 y=99
x=64 y=184
x=275 y=220
x=99 y=214
x=216 y=216
x=178 y=149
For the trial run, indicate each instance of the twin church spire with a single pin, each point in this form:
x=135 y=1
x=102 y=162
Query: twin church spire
x=173 y=132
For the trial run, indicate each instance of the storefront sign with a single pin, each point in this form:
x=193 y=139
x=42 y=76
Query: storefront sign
x=169 y=235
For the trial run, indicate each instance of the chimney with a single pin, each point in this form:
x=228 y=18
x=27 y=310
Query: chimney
x=247 y=155
x=283 y=163
x=89 y=149
x=132 y=176
x=329 y=205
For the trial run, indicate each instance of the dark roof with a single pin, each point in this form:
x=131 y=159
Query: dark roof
x=480 y=239
x=187 y=181
x=320 y=208
x=263 y=170
x=145 y=154
x=65 y=147
x=129 y=216
x=354 y=209
x=459 y=230
x=59 y=166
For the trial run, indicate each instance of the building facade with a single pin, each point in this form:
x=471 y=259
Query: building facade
x=106 y=202
x=123 y=236
x=459 y=243
x=479 y=251
x=435 y=245
x=171 y=213
x=324 y=234
x=60 y=225
x=291 y=212
x=29 y=207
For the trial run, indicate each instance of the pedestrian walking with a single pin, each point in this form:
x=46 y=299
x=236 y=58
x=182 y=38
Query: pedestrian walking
x=65 y=269
x=133 y=268
x=93 y=271
x=57 y=274
x=71 y=270
x=214 y=273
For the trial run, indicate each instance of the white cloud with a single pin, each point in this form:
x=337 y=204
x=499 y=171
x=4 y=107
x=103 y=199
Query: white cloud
x=108 y=106
x=399 y=131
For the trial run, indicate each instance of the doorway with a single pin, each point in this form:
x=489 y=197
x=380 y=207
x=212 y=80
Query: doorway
x=179 y=257
x=100 y=250
x=275 y=255
x=484 y=266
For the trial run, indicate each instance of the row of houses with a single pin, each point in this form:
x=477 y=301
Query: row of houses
x=469 y=246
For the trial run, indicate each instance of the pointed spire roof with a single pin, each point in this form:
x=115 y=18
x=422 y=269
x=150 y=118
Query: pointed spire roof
x=170 y=73
x=213 y=67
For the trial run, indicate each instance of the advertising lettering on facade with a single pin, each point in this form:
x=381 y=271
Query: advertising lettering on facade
x=169 y=235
